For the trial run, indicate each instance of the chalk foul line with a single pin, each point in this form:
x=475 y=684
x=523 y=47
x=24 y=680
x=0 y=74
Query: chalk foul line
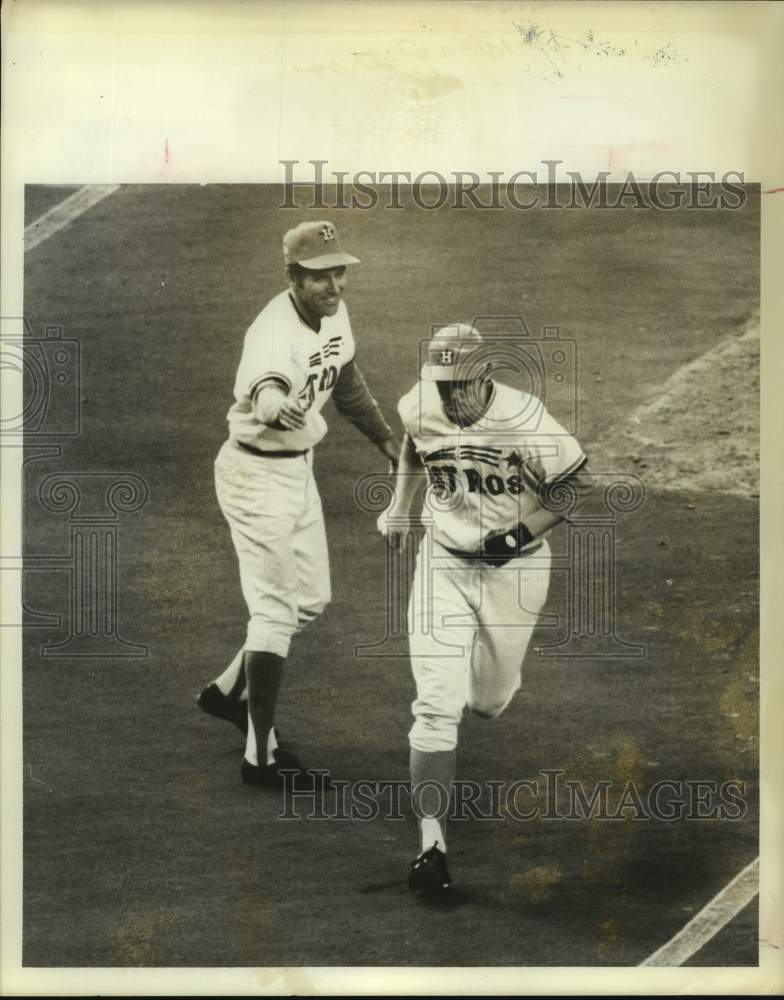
x=64 y=213
x=710 y=920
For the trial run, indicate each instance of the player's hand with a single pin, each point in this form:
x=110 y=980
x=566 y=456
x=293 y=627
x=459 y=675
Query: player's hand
x=500 y=546
x=394 y=527
x=391 y=451
x=291 y=416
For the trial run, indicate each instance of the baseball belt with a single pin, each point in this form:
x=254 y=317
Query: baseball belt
x=491 y=561
x=268 y=454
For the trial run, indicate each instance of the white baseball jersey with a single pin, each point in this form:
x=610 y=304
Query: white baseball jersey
x=483 y=478
x=281 y=350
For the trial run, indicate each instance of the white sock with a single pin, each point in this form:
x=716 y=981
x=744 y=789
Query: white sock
x=251 y=747
x=251 y=750
x=230 y=675
x=272 y=744
x=431 y=833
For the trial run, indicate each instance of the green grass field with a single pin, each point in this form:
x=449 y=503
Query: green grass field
x=141 y=845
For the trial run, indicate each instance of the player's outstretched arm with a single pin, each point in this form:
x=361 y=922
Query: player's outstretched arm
x=354 y=401
x=394 y=522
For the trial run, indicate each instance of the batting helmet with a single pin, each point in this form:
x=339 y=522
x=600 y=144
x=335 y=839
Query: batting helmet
x=449 y=354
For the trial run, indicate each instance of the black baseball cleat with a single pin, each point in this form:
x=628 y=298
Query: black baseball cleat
x=214 y=702
x=287 y=773
x=429 y=872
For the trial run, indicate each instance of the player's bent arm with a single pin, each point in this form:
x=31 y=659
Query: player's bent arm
x=506 y=544
x=267 y=403
x=579 y=485
x=541 y=521
x=273 y=408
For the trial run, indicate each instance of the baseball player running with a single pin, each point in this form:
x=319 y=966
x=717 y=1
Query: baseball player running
x=298 y=352
x=482 y=574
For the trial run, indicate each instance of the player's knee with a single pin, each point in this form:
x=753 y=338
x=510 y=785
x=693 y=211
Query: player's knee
x=267 y=637
x=318 y=596
x=309 y=613
x=490 y=706
x=485 y=710
x=431 y=733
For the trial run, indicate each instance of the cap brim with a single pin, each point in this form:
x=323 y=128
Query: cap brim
x=438 y=373
x=328 y=260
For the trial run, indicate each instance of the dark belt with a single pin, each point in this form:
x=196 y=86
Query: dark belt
x=268 y=454
x=489 y=560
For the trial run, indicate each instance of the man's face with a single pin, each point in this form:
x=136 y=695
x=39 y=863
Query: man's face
x=319 y=292
x=464 y=402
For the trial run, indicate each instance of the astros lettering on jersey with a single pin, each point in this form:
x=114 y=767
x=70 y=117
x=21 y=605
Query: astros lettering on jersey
x=485 y=477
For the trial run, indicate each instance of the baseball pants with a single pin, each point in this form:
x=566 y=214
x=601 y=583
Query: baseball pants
x=273 y=508
x=469 y=629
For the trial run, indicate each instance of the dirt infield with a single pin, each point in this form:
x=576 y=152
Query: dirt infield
x=141 y=845
x=702 y=432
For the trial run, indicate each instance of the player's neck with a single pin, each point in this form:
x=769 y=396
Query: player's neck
x=307 y=317
x=473 y=416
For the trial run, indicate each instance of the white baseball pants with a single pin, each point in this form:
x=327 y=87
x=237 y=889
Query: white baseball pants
x=273 y=509
x=469 y=629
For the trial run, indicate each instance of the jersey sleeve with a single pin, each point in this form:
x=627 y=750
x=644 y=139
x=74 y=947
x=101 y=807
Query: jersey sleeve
x=354 y=401
x=406 y=408
x=551 y=453
x=351 y=347
x=266 y=359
